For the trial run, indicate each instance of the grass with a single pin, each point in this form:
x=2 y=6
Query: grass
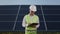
x=23 y=32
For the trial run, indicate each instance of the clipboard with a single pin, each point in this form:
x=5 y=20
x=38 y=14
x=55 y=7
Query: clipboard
x=33 y=25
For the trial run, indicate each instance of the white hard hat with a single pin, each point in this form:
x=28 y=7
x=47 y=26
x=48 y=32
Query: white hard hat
x=33 y=8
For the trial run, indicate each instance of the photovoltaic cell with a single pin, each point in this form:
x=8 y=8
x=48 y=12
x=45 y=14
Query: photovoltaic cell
x=52 y=16
x=7 y=17
x=25 y=10
x=8 y=14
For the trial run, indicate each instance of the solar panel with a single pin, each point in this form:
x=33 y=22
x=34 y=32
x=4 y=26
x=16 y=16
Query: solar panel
x=25 y=10
x=52 y=17
x=7 y=17
x=11 y=17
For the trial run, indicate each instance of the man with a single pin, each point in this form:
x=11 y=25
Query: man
x=29 y=19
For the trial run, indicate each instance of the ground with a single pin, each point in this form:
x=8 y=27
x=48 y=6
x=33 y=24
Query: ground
x=23 y=32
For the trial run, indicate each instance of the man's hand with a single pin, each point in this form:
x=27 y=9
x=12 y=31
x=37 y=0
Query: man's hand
x=34 y=26
x=28 y=24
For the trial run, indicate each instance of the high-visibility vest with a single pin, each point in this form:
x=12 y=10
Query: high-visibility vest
x=28 y=20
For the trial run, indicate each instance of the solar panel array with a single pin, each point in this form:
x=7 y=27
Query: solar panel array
x=11 y=17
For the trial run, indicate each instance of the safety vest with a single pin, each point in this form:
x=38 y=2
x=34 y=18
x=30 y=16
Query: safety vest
x=28 y=20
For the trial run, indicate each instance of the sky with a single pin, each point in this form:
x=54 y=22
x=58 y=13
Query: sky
x=29 y=2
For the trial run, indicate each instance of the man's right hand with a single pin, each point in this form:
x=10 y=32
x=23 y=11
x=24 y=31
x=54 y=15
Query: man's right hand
x=28 y=24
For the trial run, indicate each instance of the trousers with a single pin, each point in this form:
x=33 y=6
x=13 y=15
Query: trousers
x=30 y=31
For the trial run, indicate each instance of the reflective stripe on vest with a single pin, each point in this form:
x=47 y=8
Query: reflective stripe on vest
x=28 y=20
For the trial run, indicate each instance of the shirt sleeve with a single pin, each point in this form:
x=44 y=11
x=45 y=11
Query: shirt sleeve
x=24 y=22
x=38 y=23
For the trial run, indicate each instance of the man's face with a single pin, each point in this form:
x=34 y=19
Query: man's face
x=32 y=12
